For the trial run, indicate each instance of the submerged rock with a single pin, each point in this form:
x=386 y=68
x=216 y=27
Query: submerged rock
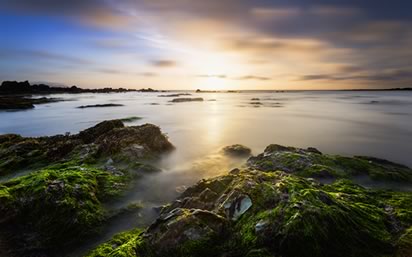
x=175 y=95
x=22 y=103
x=237 y=150
x=99 y=106
x=182 y=100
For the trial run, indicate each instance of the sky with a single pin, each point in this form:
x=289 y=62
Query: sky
x=210 y=45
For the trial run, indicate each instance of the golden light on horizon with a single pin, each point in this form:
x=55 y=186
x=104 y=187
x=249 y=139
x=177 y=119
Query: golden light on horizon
x=215 y=70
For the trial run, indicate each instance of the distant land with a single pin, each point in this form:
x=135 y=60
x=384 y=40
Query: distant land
x=24 y=87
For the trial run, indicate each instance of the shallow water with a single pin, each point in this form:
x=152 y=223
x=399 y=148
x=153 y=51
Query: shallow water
x=348 y=123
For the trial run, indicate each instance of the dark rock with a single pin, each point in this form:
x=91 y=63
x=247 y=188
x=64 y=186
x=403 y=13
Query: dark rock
x=99 y=106
x=182 y=100
x=175 y=95
x=22 y=103
x=237 y=150
x=108 y=139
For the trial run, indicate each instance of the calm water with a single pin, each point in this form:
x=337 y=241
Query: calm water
x=349 y=123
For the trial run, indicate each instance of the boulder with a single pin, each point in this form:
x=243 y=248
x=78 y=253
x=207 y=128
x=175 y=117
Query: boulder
x=237 y=150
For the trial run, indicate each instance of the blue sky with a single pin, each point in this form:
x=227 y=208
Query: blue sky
x=232 y=44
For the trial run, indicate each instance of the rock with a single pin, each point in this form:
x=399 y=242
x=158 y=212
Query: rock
x=126 y=146
x=313 y=150
x=235 y=205
x=237 y=150
x=22 y=103
x=312 y=163
x=234 y=171
x=99 y=106
x=181 y=100
x=186 y=229
x=174 y=95
x=255 y=212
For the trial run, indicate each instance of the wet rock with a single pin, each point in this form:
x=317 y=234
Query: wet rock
x=22 y=103
x=313 y=150
x=236 y=205
x=255 y=212
x=99 y=106
x=183 y=230
x=175 y=95
x=182 y=100
x=235 y=171
x=108 y=139
x=237 y=150
x=312 y=163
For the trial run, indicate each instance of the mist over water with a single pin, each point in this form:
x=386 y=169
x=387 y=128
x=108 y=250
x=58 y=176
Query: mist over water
x=375 y=124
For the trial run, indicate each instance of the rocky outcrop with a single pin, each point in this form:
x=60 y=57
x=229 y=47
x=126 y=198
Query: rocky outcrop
x=312 y=163
x=270 y=212
x=61 y=203
x=108 y=139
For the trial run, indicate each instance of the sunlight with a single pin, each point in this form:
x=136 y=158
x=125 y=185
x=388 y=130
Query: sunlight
x=214 y=71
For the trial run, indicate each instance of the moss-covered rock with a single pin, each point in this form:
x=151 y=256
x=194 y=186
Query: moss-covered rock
x=60 y=201
x=56 y=207
x=312 y=163
x=121 y=245
x=292 y=216
x=107 y=140
x=237 y=150
x=283 y=215
x=405 y=244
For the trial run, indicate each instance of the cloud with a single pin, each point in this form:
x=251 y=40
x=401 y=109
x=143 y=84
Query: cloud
x=328 y=41
x=92 y=12
x=252 y=77
x=148 y=74
x=43 y=55
x=271 y=14
x=163 y=63
x=330 y=10
x=372 y=77
x=219 y=76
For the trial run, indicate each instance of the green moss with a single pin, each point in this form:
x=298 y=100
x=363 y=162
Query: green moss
x=294 y=217
x=308 y=163
x=404 y=244
x=121 y=245
x=57 y=206
x=131 y=119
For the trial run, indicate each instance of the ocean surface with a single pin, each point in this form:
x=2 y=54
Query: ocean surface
x=372 y=123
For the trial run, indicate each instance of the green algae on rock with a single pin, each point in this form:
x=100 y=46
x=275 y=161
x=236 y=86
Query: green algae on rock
x=121 y=245
x=288 y=216
x=60 y=201
x=312 y=163
x=237 y=150
x=108 y=140
x=261 y=211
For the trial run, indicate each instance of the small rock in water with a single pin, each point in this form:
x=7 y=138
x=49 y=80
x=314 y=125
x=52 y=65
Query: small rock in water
x=237 y=150
x=181 y=100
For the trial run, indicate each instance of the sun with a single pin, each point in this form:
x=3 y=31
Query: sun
x=214 y=71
